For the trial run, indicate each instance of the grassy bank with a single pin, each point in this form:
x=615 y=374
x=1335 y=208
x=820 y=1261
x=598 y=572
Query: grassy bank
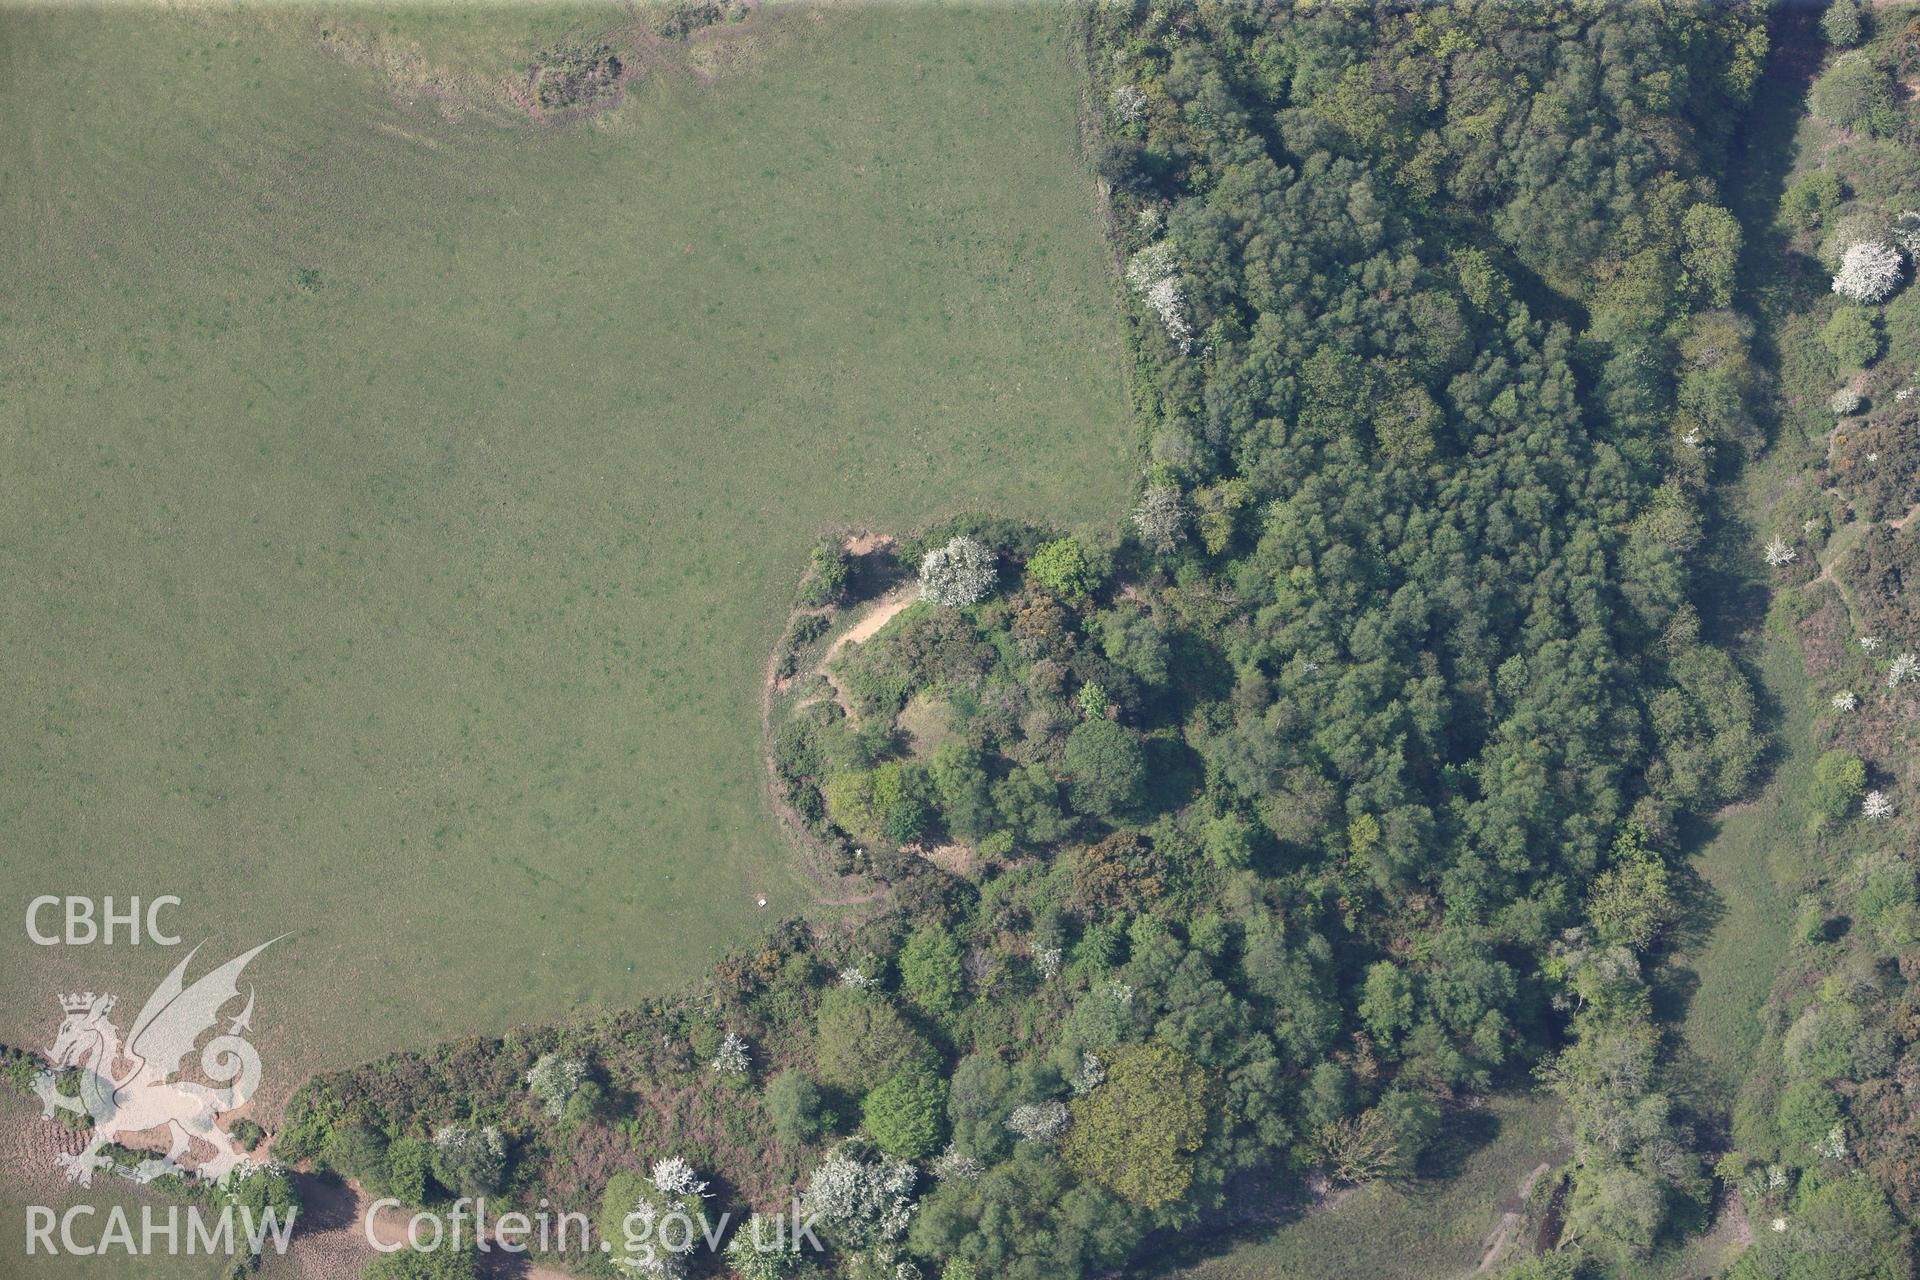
x=403 y=498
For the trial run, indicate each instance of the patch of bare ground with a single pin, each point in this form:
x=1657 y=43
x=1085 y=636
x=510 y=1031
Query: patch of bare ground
x=408 y=74
x=883 y=611
x=1509 y=1231
x=332 y=1241
x=954 y=859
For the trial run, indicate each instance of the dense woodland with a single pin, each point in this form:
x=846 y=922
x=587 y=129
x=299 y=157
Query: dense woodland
x=1229 y=849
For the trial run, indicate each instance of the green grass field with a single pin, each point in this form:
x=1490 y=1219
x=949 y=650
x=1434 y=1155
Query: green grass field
x=1754 y=864
x=399 y=510
x=1431 y=1230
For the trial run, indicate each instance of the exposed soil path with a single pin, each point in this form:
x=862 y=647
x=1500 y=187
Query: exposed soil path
x=1509 y=1231
x=830 y=889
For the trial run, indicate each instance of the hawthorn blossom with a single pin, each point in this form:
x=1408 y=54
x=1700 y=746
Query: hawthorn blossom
x=1779 y=554
x=1155 y=276
x=1876 y=805
x=1906 y=232
x=1129 y=102
x=1843 y=402
x=959 y=573
x=955 y=1165
x=733 y=1059
x=861 y=1197
x=675 y=1177
x=1869 y=272
x=1039 y=1121
x=1904 y=668
x=1845 y=701
x=554 y=1080
x=1161 y=517
x=1869 y=643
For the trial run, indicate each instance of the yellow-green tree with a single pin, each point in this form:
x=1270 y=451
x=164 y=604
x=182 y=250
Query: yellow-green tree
x=1136 y=1135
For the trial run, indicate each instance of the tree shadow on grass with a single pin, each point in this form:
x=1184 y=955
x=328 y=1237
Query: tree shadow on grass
x=1259 y=1205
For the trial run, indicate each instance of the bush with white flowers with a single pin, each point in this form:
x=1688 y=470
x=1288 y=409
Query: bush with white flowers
x=959 y=573
x=861 y=1197
x=554 y=1080
x=1155 y=276
x=1876 y=805
x=1869 y=272
x=1047 y=961
x=1906 y=233
x=1845 y=701
x=1129 y=102
x=1904 y=668
x=955 y=1165
x=675 y=1176
x=1843 y=402
x=1039 y=1121
x=1779 y=554
x=1161 y=518
x=733 y=1058
x=668 y=1220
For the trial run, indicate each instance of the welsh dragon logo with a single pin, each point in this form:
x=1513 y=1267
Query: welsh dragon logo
x=134 y=1088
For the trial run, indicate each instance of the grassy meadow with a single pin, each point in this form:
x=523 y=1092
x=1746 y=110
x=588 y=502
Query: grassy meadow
x=1433 y=1229
x=402 y=498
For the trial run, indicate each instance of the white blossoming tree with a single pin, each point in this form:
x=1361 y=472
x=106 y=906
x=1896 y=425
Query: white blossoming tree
x=656 y=1235
x=1161 y=518
x=1129 y=102
x=960 y=573
x=1904 y=668
x=955 y=1165
x=733 y=1058
x=1845 y=701
x=1843 y=402
x=1876 y=805
x=1906 y=232
x=1779 y=554
x=1040 y=1121
x=1869 y=272
x=1093 y=1072
x=1155 y=276
x=554 y=1080
x=675 y=1176
x=860 y=1197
